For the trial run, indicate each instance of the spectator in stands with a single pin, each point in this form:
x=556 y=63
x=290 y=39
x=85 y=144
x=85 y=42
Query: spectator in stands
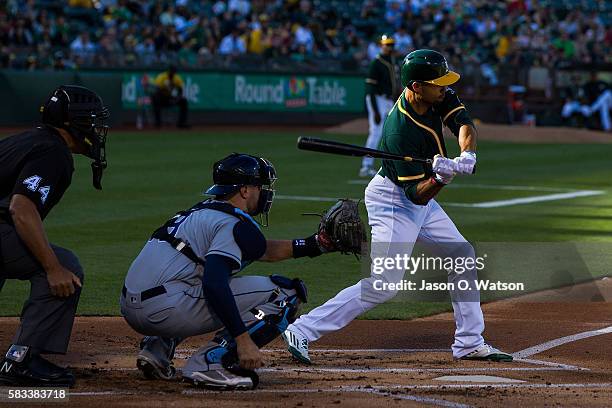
x=232 y=44
x=403 y=41
x=109 y=49
x=169 y=91
x=472 y=32
x=304 y=37
x=395 y=10
x=83 y=49
x=242 y=7
x=60 y=32
x=20 y=34
x=32 y=63
x=60 y=62
x=145 y=50
x=254 y=39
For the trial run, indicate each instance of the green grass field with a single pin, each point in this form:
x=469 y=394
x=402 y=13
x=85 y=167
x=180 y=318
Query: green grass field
x=153 y=175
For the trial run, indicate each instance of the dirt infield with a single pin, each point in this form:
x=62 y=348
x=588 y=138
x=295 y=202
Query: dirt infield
x=372 y=363
x=505 y=133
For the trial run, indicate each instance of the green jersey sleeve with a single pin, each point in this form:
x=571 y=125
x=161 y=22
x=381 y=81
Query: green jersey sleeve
x=453 y=112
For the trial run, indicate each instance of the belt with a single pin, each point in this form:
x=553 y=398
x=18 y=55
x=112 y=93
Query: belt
x=147 y=294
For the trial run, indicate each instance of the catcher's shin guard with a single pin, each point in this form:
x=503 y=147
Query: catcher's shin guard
x=265 y=329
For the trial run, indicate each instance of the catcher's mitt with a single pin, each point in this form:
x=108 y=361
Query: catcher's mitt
x=341 y=228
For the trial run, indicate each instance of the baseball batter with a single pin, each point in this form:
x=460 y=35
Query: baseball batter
x=382 y=88
x=402 y=209
x=183 y=281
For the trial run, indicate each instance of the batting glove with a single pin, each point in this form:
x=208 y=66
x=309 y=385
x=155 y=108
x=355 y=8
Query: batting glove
x=443 y=166
x=444 y=169
x=465 y=163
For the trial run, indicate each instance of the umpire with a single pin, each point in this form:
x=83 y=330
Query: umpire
x=37 y=167
x=382 y=89
x=170 y=92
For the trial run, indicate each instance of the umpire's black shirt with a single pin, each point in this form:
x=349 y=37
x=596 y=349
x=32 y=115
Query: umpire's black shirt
x=37 y=164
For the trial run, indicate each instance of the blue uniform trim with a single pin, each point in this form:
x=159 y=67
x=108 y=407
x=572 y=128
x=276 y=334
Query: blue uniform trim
x=250 y=240
x=218 y=294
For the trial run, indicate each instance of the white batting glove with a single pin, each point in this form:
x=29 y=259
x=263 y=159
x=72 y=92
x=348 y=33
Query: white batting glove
x=444 y=169
x=443 y=166
x=465 y=163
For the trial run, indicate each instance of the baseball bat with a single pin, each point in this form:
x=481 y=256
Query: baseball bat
x=329 y=146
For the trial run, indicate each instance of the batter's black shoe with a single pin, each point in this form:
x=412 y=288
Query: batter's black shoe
x=20 y=368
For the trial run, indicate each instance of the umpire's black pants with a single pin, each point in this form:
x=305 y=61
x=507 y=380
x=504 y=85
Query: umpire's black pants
x=46 y=320
x=161 y=100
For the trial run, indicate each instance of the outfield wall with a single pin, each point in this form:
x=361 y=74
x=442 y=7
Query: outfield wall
x=214 y=97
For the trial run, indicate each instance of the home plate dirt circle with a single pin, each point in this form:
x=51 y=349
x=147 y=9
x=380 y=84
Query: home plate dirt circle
x=371 y=363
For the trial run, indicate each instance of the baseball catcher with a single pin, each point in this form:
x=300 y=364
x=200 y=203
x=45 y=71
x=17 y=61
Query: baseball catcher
x=184 y=281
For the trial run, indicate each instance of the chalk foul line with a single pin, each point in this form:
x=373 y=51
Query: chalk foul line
x=484 y=204
x=530 y=351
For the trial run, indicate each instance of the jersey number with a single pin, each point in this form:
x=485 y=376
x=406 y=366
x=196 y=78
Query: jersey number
x=32 y=183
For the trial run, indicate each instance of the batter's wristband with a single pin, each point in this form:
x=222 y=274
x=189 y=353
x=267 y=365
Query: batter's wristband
x=435 y=181
x=306 y=247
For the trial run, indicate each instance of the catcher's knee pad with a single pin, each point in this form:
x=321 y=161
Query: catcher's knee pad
x=270 y=326
x=265 y=329
x=296 y=284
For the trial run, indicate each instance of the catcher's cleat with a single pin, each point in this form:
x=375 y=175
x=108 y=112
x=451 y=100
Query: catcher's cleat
x=218 y=379
x=152 y=369
x=151 y=366
x=488 y=353
x=297 y=344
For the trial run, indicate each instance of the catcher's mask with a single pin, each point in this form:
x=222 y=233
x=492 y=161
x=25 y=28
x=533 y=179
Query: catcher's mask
x=237 y=170
x=82 y=113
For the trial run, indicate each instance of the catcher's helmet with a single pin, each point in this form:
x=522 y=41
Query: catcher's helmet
x=427 y=66
x=237 y=170
x=82 y=113
x=386 y=39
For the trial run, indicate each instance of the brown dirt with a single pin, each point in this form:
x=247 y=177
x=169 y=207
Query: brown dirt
x=103 y=351
x=506 y=133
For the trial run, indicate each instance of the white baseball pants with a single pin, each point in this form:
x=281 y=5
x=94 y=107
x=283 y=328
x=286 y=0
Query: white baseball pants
x=397 y=222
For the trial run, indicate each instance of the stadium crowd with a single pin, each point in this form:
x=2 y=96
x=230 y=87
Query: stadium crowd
x=45 y=34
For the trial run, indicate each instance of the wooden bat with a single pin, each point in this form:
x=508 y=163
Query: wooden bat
x=331 y=147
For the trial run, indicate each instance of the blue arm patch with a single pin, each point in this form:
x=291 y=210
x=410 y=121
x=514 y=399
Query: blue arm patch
x=250 y=240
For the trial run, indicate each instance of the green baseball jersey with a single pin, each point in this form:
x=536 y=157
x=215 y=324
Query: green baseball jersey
x=407 y=133
x=383 y=77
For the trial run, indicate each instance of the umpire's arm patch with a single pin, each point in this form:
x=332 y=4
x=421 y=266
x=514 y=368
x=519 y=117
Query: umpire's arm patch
x=250 y=240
